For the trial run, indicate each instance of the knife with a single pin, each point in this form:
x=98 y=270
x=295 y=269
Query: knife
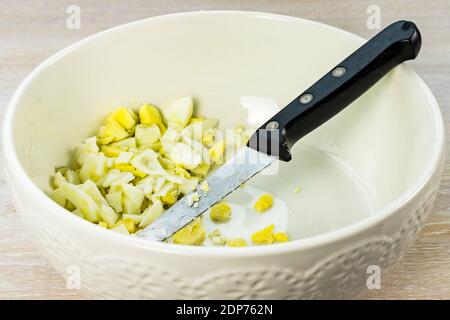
x=399 y=42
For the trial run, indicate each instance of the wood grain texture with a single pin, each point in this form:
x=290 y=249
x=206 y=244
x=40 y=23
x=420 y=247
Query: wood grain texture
x=30 y=31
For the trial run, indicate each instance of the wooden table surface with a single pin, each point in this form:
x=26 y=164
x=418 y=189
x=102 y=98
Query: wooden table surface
x=30 y=31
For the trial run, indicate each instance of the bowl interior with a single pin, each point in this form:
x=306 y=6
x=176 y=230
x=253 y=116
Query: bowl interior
x=348 y=169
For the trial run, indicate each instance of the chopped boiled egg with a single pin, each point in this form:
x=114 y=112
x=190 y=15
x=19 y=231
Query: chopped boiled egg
x=125 y=144
x=132 y=198
x=217 y=152
x=111 y=132
x=102 y=224
x=124 y=157
x=110 y=151
x=147 y=135
x=185 y=156
x=82 y=200
x=216 y=238
x=239 y=242
x=120 y=228
x=220 y=212
x=281 y=237
x=151 y=213
x=263 y=203
x=192 y=199
x=58 y=179
x=140 y=163
x=179 y=112
x=115 y=178
x=264 y=236
x=125 y=117
x=114 y=199
x=149 y=115
x=193 y=234
x=89 y=146
x=204 y=186
x=129 y=224
x=109 y=216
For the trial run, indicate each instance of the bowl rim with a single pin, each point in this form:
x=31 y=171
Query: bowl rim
x=14 y=167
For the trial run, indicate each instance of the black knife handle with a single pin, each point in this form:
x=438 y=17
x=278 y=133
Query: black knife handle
x=338 y=88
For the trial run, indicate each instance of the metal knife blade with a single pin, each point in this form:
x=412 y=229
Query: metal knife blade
x=244 y=165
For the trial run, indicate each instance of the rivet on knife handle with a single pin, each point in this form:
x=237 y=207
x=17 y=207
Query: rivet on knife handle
x=399 y=42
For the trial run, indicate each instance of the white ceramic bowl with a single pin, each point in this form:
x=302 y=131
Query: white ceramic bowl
x=369 y=176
